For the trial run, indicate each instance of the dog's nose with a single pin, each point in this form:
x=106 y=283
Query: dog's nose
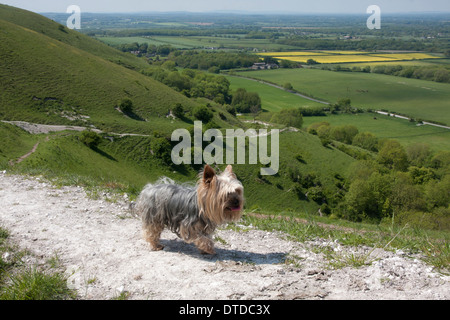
x=235 y=201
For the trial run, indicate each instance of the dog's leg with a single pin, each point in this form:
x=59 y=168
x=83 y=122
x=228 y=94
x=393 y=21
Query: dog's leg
x=205 y=244
x=152 y=234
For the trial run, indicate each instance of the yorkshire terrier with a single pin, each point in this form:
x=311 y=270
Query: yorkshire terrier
x=192 y=213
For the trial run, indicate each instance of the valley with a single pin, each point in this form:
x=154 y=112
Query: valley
x=96 y=108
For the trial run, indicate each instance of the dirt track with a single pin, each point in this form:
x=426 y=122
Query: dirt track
x=101 y=248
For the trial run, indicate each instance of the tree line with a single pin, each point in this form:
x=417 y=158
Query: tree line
x=391 y=182
x=204 y=60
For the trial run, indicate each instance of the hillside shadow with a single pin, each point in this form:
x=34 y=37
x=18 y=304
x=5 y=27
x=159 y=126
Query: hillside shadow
x=254 y=258
x=132 y=115
x=104 y=154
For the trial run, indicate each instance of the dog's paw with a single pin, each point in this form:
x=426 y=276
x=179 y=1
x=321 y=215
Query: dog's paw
x=157 y=247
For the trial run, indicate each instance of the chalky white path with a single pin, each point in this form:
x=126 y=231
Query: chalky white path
x=101 y=248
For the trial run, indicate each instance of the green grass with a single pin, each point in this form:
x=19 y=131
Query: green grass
x=422 y=99
x=276 y=193
x=46 y=80
x=391 y=128
x=14 y=143
x=23 y=282
x=126 y=165
x=123 y=166
x=433 y=245
x=47 y=27
x=272 y=99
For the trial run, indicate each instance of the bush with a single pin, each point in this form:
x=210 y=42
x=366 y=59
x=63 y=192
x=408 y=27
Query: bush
x=178 y=110
x=90 y=138
x=316 y=194
x=289 y=117
x=288 y=86
x=203 y=114
x=365 y=140
x=392 y=155
x=126 y=105
x=245 y=101
x=231 y=110
x=162 y=149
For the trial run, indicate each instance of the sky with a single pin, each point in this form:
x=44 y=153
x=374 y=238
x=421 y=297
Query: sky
x=257 y=6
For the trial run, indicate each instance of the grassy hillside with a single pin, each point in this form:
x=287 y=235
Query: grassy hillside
x=417 y=98
x=48 y=81
x=126 y=165
x=54 y=30
x=302 y=157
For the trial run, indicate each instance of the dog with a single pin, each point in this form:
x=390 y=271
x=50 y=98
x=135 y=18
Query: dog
x=193 y=213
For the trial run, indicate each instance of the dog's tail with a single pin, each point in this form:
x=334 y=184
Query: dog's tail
x=136 y=207
x=133 y=211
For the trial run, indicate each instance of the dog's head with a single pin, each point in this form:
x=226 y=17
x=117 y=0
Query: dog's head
x=220 y=197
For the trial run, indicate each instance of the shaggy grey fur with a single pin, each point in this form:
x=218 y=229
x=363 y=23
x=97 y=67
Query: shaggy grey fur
x=171 y=205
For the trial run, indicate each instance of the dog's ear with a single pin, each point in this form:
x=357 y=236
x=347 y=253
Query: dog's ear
x=229 y=169
x=208 y=174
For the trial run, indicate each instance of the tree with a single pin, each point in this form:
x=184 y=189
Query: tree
x=170 y=65
x=288 y=86
x=244 y=101
x=178 y=110
x=393 y=156
x=288 y=117
x=126 y=105
x=418 y=154
x=162 y=149
x=368 y=198
x=344 y=103
x=438 y=192
x=365 y=140
x=90 y=138
x=311 y=62
x=344 y=133
x=202 y=113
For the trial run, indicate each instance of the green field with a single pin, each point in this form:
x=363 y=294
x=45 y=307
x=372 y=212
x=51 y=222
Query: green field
x=191 y=42
x=381 y=126
x=420 y=99
x=272 y=99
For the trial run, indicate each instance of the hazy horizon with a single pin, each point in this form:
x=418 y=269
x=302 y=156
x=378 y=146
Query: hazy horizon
x=235 y=6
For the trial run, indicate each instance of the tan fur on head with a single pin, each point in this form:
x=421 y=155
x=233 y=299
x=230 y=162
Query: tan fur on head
x=220 y=197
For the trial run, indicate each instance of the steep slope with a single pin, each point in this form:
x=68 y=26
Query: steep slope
x=48 y=81
x=52 y=29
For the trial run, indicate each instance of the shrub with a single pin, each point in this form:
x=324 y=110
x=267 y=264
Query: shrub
x=162 y=149
x=178 y=110
x=365 y=140
x=90 y=138
x=203 y=114
x=126 y=105
x=289 y=117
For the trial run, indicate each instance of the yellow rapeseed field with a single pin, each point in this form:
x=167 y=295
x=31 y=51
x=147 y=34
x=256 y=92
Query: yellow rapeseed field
x=291 y=53
x=337 y=58
x=406 y=56
x=329 y=56
x=343 y=52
